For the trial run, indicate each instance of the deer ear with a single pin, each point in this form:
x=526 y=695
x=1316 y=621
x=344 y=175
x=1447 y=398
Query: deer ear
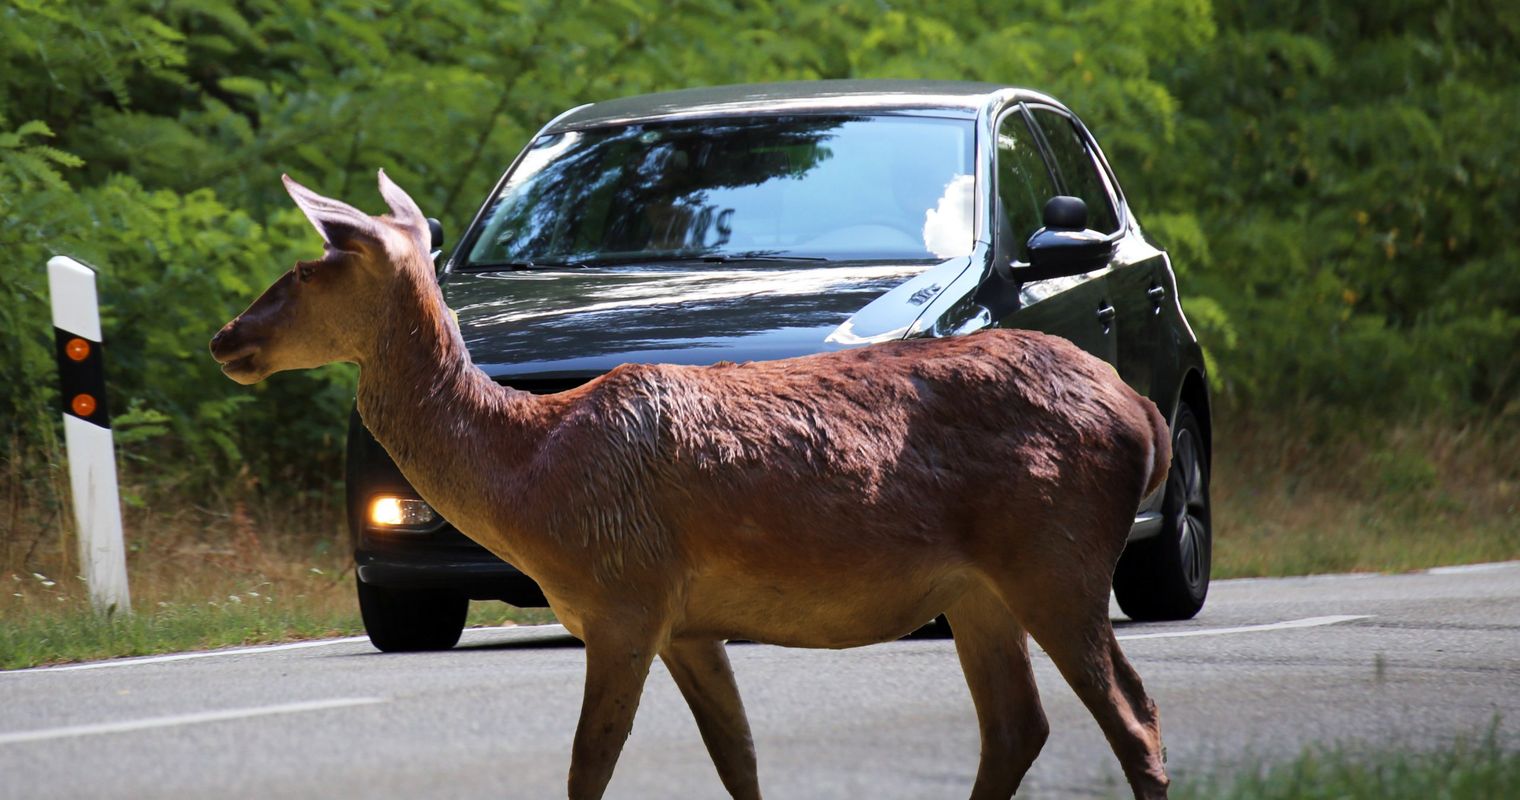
x=403 y=208
x=404 y=211
x=338 y=223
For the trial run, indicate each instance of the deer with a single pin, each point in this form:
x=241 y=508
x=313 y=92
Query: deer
x=827 y=501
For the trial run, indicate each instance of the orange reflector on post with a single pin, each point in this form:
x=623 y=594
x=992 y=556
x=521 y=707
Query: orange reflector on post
x=83 y=405
x=78 y=349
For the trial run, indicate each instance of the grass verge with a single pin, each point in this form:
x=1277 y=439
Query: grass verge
x=199 y=579
x=1295 y=501
x=1469 y=769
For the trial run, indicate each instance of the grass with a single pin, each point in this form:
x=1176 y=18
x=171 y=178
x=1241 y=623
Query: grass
x=74 y=633
x=1468 y=769
x=199 y=579
x=1288 y=501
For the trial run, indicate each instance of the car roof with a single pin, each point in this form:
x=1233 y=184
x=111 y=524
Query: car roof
x=946 y=98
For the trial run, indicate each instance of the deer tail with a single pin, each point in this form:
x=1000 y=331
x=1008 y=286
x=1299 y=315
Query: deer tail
x=1161 y=449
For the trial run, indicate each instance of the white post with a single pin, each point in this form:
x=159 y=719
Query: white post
x=87 y=433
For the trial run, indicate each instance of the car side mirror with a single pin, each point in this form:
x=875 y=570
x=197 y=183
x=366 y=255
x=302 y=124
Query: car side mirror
x=1065 y=246
x=435 y=243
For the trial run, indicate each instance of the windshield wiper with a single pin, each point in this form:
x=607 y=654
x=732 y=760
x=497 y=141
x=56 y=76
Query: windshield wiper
x=705 y=258
x=724 y=258
x=523 y=264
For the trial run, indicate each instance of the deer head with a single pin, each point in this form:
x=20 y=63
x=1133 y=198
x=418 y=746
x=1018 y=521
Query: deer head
x=322 y=311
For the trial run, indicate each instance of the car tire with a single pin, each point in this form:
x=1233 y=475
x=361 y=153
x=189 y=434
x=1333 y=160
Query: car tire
x=1166 y=577
x=409 y=620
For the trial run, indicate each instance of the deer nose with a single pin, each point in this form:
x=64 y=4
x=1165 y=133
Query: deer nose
x=219 y=341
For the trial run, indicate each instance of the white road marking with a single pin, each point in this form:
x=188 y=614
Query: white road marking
x=559 y=630
x=552 y=629
x=182 y=719
x=1308 y=622
x=236 y=651
x=1463 y=569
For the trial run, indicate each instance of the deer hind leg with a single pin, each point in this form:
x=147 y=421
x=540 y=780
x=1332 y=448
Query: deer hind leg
x=702 y=672
x=1069 y=619
x=994 y=654
x=617 y=662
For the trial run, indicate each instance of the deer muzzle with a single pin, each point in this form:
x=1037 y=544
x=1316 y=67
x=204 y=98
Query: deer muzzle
x=236 y=353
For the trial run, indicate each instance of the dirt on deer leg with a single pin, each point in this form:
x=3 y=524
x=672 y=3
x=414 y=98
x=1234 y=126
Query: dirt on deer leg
x=1080 y=640
x=1127 y=681
x=617 y=663
x=1093 y=676
x=702 y=672
x=994 y=654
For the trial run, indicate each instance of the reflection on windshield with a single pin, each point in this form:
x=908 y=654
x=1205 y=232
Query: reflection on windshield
x=840 y=188
x=947 y=226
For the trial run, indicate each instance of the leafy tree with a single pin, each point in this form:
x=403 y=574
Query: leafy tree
x=1333 y=179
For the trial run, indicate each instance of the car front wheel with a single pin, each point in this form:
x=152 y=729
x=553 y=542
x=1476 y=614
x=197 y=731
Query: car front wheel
x=1166 y=577
x=408 y=620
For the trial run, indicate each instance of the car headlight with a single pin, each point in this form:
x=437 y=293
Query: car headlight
x=394 y=511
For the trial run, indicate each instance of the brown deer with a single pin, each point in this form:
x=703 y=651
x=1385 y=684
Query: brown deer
x=834 y=500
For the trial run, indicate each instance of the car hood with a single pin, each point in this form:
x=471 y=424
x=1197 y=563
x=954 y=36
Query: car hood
x=586 y=320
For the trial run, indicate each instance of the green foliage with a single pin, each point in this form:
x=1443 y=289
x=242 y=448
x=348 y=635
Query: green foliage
x=1352 y=158
x=1333 y=179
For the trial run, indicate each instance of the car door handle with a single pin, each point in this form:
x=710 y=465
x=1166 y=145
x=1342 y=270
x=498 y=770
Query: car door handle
x=1156 y=294
x=1106 y=313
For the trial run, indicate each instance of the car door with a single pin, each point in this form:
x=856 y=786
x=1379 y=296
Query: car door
x=1075 y=307
x=1133 y=289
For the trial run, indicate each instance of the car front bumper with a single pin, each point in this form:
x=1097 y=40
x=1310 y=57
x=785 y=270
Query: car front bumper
x=441 y=559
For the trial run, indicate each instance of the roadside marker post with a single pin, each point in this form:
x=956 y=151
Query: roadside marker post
x=87 y=432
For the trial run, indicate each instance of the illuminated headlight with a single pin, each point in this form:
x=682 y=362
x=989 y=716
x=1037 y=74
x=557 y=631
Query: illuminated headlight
x=390 y=511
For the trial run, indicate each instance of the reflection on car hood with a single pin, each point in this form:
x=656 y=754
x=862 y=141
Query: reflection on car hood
x=583 y=321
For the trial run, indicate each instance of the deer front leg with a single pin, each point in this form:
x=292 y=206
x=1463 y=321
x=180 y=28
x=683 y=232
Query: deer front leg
x=701 y=670
x=617 y=662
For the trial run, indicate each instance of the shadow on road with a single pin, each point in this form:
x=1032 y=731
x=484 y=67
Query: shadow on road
x=543 y=643
x=938 y=629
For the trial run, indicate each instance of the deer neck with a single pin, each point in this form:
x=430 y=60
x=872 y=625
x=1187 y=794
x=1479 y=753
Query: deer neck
x=460 y=439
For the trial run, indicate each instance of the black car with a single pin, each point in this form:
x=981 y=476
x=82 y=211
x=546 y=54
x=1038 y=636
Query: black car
x=768 y=221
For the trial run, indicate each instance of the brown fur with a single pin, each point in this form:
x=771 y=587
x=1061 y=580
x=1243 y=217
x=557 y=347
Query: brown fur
x=829 y=501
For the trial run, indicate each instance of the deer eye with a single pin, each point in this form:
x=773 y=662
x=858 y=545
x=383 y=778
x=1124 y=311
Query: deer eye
x=304 y=272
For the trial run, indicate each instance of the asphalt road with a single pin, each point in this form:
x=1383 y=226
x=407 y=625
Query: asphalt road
x=1407 y=661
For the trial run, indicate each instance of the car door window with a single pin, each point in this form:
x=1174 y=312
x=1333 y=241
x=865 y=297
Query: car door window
x=1079 y=170
x=1023 y=183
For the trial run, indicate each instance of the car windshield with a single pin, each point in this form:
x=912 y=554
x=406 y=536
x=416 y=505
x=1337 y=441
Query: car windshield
x=835 y=188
